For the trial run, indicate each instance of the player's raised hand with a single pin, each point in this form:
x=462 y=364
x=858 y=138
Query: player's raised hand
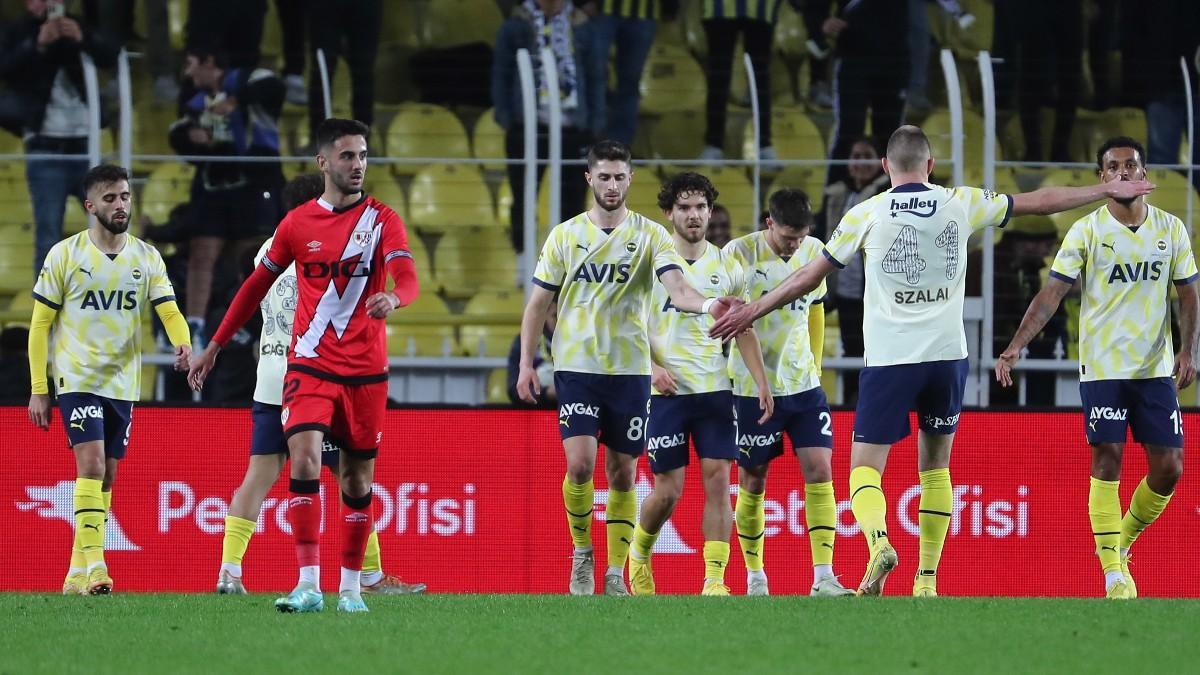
x=200 y=365
x=381 y=304
x=39 y=411
x=1129 y=189
x=528 y=386
x=183 y=356
x=662 y=380
x=1184 y=371
x=766 y=403
x=1004 y=366
x=733 y=322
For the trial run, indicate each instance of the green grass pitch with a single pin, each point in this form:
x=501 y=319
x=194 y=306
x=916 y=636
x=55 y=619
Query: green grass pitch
x=136 y=633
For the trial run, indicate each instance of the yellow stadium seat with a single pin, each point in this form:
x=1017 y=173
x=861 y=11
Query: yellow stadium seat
x=793 y=134
x=504 y=200
x=444 y=196
x=497 y=386
x=150 y=125
x=493 y=339
x=937 y=128
x=671 y=81
x=420 y=328
x=12 y=168
x=402 y=25
x=424 y=130
x=790 y=34
x=736 y=193
x=422 y=261
x=15 y=206
x=1129 y=122
x=470 y=259
x=383 y=186
x=168 y=185
x=1171 y=194
x=643 y=198
x=75 y=217
x=16 y=267
x=676 y=135
x=458 y=22
x=1066 y=178
x=16 y=234
x=487 y=141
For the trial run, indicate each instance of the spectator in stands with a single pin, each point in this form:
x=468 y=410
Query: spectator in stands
x=1043 y=60
x=630 y=26
x=720 y=226
x=46 y=103
x=543 y=363
x=916 y=96
x=1163 y=32
x=865 y=179
x=234 y=112
x=723 y=22
x=870 y=72
x=1021 y=259
x=350 y=28
x=556 y=24
x=230 y=27
x=293 y=25
x=115 y=18
x=819 y=50
x=14 y=364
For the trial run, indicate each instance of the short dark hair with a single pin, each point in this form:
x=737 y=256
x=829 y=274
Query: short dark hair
x=202 y=53
x=613 y=151
x=103 y=174
x=1120 y=142
x=334 y=128
x=908 y=148
x=688 y=182
x=790 y=207
x=302 y=189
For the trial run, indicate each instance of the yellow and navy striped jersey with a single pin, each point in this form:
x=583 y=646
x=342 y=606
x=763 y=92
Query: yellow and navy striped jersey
x=604 y=280
x=782 y=334
x=914 y=244
x=1125 y=316
x=762 y=10
x=278 y=314
x=679 y=341
x=633 y=9
x=96 y=338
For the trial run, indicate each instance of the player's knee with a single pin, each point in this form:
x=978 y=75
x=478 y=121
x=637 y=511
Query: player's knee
x=622 y=477
x=1106 y=461
x=580 y=472
x=1169 y=469
x=752 y=483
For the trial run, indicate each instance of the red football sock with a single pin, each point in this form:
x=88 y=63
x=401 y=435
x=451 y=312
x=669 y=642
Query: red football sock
x=304 y=513
x=358 y=521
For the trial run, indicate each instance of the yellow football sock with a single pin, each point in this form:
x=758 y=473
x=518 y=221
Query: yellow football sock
x=933 y=517
x=578 y=500
x=1104 y=510
x=237 y=539
x=643 y=543
x=78 y=562
x=868 y=504
x=750 y=517
x=89 y=520
x=716 y=557
x=619 y=525
x=373 y=560
x=820 y=514
x=1144 y=508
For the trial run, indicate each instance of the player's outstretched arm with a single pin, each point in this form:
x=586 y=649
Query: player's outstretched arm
x=1185 y=367
x=1044 y=305
x=798 y=284
x=532 y=321
x=1049 y=200
x=688 y=299
x=751 y=351
x=177 y=332
x=39 y=349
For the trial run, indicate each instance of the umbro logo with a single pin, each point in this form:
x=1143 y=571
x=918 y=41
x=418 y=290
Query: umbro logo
x=314 y=245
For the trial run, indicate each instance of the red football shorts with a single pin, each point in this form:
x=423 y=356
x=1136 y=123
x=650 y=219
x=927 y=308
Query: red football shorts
x=350 y=414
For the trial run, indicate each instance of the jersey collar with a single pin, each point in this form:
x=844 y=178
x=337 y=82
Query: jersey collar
x=330 y=207
x=911 y=187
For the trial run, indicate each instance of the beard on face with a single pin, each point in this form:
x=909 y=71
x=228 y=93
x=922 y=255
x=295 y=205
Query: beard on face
x=111 y=226
x=342 y=183
x=600 y=200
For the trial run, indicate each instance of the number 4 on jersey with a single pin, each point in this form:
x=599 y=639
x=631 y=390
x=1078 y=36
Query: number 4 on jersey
x=904 y=256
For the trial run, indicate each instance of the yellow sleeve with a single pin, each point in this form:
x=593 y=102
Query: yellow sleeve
x=816 y=331
x=177 y=328
x=39 y=346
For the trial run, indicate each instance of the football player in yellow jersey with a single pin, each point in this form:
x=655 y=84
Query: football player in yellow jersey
x=791 y=342
x=1126 y=255
x=601 y=265
x=692 y=399
x=89 y=301
x=914 y=242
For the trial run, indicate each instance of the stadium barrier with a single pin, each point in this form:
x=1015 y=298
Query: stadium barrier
x=469 y=501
